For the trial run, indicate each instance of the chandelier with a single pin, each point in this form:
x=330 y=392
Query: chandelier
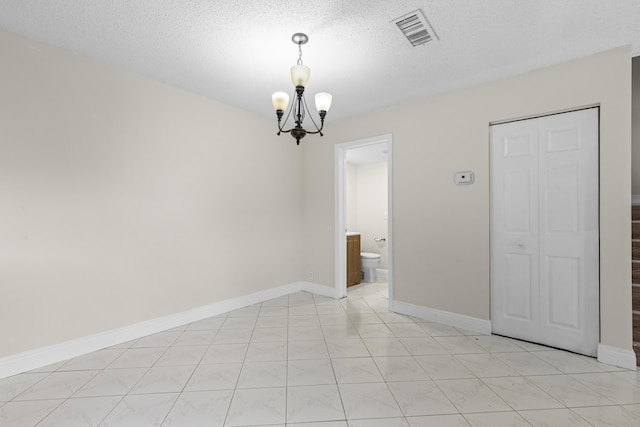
x=300 y=77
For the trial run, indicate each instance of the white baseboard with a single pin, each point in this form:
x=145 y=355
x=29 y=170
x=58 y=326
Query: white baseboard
x=447 y=318
x=382 y=272
x=314 y=288
x=615 y=356
x=44 y=356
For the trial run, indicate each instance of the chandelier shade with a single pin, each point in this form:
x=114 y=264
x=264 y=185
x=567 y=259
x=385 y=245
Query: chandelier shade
x=323 y=101
x=300 y=75
x=280 y=100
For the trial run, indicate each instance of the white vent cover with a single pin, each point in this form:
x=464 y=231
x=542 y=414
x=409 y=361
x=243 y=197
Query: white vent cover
x=415 y=28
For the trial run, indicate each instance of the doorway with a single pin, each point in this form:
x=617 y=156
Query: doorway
x=369 y=153
x=545 y=231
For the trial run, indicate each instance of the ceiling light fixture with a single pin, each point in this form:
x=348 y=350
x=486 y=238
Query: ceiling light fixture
x=300 y=78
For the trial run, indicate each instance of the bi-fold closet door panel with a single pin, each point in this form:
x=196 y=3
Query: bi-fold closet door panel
x=544 y=230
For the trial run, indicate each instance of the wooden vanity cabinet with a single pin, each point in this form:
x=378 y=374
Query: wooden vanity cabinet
x=353 y=259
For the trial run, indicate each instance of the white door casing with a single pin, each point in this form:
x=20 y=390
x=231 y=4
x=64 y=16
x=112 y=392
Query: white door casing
x=544 y=230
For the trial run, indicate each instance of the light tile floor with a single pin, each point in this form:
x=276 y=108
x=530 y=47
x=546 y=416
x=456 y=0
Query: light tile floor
x=304 y=360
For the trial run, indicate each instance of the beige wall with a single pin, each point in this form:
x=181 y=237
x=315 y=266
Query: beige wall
x=123 y=199
x=635 y=129
x=441 y=231
x=351 y=196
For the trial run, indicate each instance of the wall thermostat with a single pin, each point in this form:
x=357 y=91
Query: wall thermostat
x=463 y=178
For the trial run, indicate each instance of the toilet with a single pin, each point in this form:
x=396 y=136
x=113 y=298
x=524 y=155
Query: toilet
x=368 y=264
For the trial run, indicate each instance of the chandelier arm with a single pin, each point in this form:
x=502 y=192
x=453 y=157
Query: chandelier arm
x=281 y=127
x=299 y=111
x=318 y=129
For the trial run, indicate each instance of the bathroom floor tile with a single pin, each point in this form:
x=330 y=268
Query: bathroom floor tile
x=439 y=330
x=496 y=344
x=525 y=363
x=12 y=386
x=269 y=335
x=97 y=360
x=372 y=400
x=368 y=318
x=197 y=338
x=263 y=374
x=266 y=351
x=423 y=346
x=225 y=353
x=611 y=387
x=253 y=407
x=356 y=370
x=485 y=365
x=316 y=349
x=272 y=322
x=232 y=336
x=421 y=398
x=608 y=416
x=406 y=330
x=176 y=356
x=385 y=422
x=374 y=330
x=400 y=368
x=163 y=379
x=143 y=410
x=304 y=360
x=569 y=391
x=340 y=332
x=554 y=417
x=305 y=333
x=521 y=393
x=80 y=412
x=460 y=345
x=310 y=372
x=388 y=346
x=567 y=363
x=438 y=421
x=303 y=320
x=112 y=382
x=57 y=385
x=472 y=395
x=347 y=348
x=314 y=403
x=138 y=358
x=215 y=376
x=443 y=367
x=29 y=413
x=200 y=409
x=496 y=419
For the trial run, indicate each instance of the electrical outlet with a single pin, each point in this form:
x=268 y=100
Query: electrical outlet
x=311 y=275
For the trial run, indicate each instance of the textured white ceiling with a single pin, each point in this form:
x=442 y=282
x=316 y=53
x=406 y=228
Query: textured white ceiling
x=240 y=52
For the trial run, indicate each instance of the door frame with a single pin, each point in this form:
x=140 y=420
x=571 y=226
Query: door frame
x=340 y=151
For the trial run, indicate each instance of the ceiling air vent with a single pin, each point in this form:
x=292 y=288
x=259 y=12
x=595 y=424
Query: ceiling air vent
x=415 y=28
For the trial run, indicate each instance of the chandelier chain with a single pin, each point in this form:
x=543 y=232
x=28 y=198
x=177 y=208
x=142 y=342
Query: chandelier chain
x=299 y=62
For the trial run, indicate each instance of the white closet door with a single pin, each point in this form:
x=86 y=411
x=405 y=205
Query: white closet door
x=514 y=244
x=552 y=297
